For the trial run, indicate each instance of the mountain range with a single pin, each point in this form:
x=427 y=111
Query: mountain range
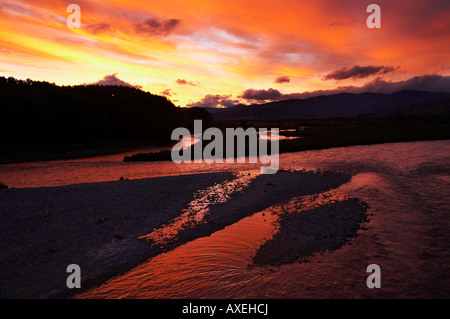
x=348 y=105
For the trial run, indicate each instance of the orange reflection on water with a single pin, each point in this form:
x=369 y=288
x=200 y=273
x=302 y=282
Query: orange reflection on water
x=205 y=267
x=217 y=266
x=198 y=208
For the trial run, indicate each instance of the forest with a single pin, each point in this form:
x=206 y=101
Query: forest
x=34 y=113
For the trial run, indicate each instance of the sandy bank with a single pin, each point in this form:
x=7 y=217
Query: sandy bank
x=43 y=230
x=96 y=226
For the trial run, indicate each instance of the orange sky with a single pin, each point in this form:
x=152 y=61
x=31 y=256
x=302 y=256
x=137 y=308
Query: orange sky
x=222 y=47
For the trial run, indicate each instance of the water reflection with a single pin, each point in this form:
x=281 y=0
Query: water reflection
x=198 y=208
x=407 y=235
x=406 y=185
x=218 y=266
x=272 y=135
x=199 y=269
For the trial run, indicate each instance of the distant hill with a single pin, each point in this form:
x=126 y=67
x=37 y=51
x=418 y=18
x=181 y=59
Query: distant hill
x=41 y=113
x=435 y=108
x=407 y=103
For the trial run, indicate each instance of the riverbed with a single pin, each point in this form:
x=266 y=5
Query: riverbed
x=406 y=187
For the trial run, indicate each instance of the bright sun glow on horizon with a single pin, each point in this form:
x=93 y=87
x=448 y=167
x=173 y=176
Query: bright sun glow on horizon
x=218 y=53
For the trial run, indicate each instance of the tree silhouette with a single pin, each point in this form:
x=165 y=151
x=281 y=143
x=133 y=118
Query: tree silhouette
x=40 y=113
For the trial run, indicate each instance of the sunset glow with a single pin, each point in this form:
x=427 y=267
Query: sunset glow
x=188 y=50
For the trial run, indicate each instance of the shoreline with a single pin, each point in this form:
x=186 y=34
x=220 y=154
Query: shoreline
x=45 y=229
x=77 y=151
x=316 y=134
x=96 y=225
x=166 y=155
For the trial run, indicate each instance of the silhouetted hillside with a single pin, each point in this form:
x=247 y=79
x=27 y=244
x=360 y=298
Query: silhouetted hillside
x=438 y=108
x=406 y=103
x=41 y=113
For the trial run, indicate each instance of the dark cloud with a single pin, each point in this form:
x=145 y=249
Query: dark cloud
x=282 y=79
x=98 y=28
x=358 y=72
x=157 y=27
x=261 y=95
x=185 y=82
x=271 y=95
x=167 y=92
x=114 y=80
x=215 y=101
x=432 y=83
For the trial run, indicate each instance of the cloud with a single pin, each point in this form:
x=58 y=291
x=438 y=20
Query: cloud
x=271 y=95
x=195 y=42
x=115 y=81
x=215 y=101
x=157 y=27
x=261 y=95
x=358 y=72
x=185 y=82
x=167 y=92
x=432 y=83
x=282 y=79
x=98 y=28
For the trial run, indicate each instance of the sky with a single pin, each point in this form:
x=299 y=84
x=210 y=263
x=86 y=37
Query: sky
x=219 y=53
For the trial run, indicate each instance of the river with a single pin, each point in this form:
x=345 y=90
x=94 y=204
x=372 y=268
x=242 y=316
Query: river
x=406 y=185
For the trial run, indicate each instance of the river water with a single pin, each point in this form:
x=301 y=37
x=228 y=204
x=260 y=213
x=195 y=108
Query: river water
x=406 y=185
